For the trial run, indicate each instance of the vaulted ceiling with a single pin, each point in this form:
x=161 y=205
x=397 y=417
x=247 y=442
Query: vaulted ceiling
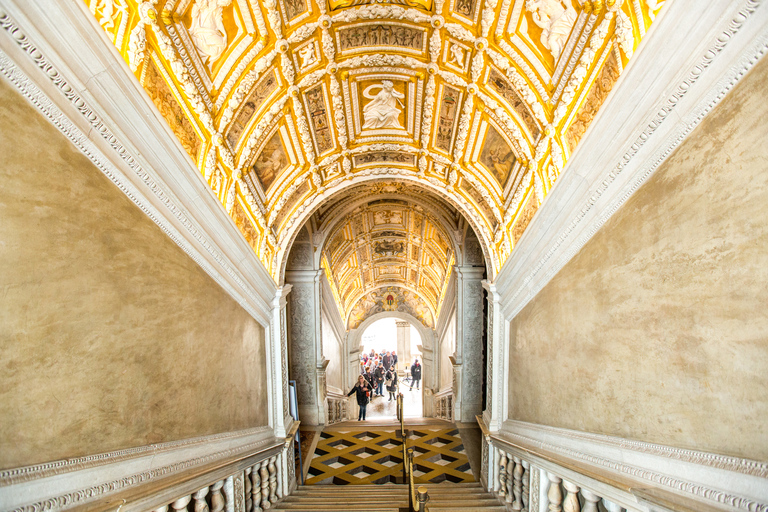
x=283 y=104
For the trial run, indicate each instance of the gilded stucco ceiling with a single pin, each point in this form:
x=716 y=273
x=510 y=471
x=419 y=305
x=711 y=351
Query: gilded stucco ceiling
x=384 y=243
x=282 y=104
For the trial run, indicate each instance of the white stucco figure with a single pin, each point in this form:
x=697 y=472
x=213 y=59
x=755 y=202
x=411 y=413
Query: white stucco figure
x=385 y=108
x=307 y=56
x=109 y=10
x=555 y=20
x=653 y=6
x=207 y=28
x=457 y=54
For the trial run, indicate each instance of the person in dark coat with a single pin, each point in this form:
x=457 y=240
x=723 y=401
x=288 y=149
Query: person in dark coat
x=394 y=359
x=378 y=377
x=387 y=360
x=362 y=390
x=391 y=382
x=415 y=374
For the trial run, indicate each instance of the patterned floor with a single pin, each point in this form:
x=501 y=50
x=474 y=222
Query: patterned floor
x=375 y=457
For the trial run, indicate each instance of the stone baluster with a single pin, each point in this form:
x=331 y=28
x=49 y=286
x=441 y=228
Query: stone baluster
x=571 y=502
x=554 y=494
x=181 y=503
x=273 y=479
x=248 y=500
x=517 y=485
x=611 y=506
x=526 y=479
x=217 y=498
x=502 y=473
x=510 y=497
x=164 y=508
x=264 y=474
x=256 y=488
x=590 y=501
x=200 y=504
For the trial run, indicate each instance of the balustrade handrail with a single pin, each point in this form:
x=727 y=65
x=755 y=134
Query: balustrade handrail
x=159 y=494
x=578 y=478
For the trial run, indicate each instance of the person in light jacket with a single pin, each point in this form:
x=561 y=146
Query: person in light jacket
x=362 y=389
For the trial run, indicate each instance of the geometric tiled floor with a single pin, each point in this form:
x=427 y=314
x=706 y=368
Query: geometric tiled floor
x=375 y=457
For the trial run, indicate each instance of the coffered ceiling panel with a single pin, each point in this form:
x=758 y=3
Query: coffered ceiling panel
x=282 y=104
x=388 y=242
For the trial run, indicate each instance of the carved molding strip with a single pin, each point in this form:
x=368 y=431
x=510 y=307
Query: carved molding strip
x=58 y=467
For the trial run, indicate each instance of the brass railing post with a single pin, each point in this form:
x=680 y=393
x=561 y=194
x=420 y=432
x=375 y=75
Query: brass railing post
x=422 y=497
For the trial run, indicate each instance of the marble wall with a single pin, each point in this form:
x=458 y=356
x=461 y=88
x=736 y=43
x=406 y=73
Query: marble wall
x=110 y=335
x=333 y=353
x=657 y=329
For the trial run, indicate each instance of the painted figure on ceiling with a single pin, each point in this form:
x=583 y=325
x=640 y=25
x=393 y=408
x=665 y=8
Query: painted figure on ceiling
x=385 y=108
x=555 y=20
x=207 y=28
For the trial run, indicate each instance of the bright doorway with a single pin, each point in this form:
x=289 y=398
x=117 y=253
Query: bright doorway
x=392 y=335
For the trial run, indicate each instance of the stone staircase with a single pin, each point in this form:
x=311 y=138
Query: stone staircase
x=444 y=497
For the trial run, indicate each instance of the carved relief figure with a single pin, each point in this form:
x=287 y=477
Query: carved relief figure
x=207 y=28
x=109 y=9
x=457 y=55
x=385 y=108
x=307 y=56
x=555 y=21
x=465 y=8
x=171 y=111
x=505 y=89
x=497 y=156
x=319 y=116
x=597 y=94
x=449 y=104
x=384 y=156
x=387 y=217
x=388 y=248
x=381 y=35
x=294 y=8
x=270 y=161
x=262 y=90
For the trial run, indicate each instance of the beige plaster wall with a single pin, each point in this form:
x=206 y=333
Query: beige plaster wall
x=110 y=335
x=658 y=329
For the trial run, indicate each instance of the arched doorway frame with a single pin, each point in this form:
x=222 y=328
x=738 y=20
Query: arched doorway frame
x=428 y=355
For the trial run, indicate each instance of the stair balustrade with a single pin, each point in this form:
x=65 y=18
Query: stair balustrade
x=527 y=487
x=336 y=408
x=255 y=488
x=444 y=405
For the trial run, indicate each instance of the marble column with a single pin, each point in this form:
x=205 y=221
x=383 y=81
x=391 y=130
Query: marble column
x=404 y=356
x=305 y=344
x=468 y=361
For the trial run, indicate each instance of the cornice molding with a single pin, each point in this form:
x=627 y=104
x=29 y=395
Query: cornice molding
x=84 y=91
x=689 y=473
x=698 y=50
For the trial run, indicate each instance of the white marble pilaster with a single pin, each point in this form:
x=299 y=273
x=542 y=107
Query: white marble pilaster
x=497 y=376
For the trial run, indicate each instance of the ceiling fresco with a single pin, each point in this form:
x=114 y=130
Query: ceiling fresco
x=282 y=104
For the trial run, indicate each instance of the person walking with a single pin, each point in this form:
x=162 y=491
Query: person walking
x=391 y=382
x=362 y=390
x=378 y=375
x=415 y=374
